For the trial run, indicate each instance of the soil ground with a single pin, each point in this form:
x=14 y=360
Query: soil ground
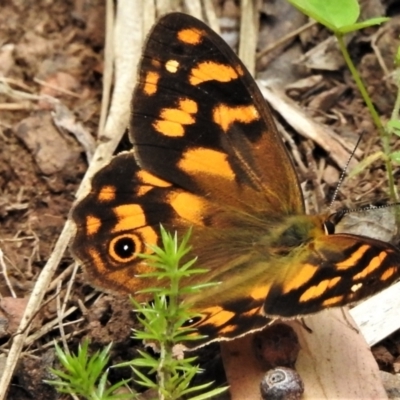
x=55 y=48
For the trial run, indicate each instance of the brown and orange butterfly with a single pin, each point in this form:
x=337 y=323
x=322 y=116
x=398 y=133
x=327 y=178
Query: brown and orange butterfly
x=207 y=154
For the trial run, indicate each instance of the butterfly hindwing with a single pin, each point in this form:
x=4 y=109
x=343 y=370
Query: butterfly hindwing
x=120 y=217
x=334 y=271
x=329 y=271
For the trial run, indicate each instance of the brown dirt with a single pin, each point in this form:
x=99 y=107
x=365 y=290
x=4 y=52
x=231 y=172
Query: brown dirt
x=60 y=44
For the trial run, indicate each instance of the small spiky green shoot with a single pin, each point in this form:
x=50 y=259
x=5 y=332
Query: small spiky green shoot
x=86 y=375
x=163 y=322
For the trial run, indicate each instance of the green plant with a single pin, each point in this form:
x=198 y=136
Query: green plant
x=85 y=375
x=163 y=323
x=340 y=16
x=393 y=125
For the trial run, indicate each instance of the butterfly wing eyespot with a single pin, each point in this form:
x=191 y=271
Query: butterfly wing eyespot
x=125 y=248
x=192 y=322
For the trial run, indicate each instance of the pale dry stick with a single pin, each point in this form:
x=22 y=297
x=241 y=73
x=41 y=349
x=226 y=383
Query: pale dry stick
x=19 y=94
x=34 y=252
x=284 y=39
x=335 y=146
x=128 y=42
x=294 y=151
x=83 y=309
x=321 y=169
x=166 y=6
x=57 y=88
x=64 y=119
x=149 y=16
x=64 y=275
x=211 y=16
x=69 y=289
x=5 y=274
x=51 y=325
x=17 y=239
x=378 y=52
x=193 y=7
x=13 y=265
x=108 y=65
x=67 y=336
x=60 y=317
x=16 y=82
x=21 y=106
x=248 y=34
x=16 y=206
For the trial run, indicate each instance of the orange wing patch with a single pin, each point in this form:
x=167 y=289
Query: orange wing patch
x=225 y=116
x=149 y=181
x=130 y=216
x=332 y=301
x=206 y=161
x=190 y=36
x=304 y=274
x=93 y=225
x=213 y=71
x=151 y=81
x=102 y=268
x=374 y=264
x=354 y=259
x=188 y=105
x=189 y=207
x=388 y=274
x=107 y=193
x=147 y=178
x=173 y=120
x=259 y=292
x=318 y=290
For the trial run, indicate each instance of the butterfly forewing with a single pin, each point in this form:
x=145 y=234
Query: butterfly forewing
x=200 y=121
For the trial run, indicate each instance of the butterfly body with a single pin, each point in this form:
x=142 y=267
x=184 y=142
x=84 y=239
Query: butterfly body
x=207 y=155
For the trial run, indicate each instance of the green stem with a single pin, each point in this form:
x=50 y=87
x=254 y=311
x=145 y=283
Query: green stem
x=166 y=368
x=375 y=117
x=396 y=108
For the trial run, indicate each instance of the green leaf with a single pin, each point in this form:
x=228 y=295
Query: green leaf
x=143 y=379
x=361 y=25
x=394 y=126
x=210 y=394
x=362 y=165
x=397 y=57
x=334 y=14
x=395 y=156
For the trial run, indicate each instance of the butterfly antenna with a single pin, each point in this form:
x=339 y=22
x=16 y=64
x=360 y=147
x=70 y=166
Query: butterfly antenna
x=370 y=207
x=344 y=171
